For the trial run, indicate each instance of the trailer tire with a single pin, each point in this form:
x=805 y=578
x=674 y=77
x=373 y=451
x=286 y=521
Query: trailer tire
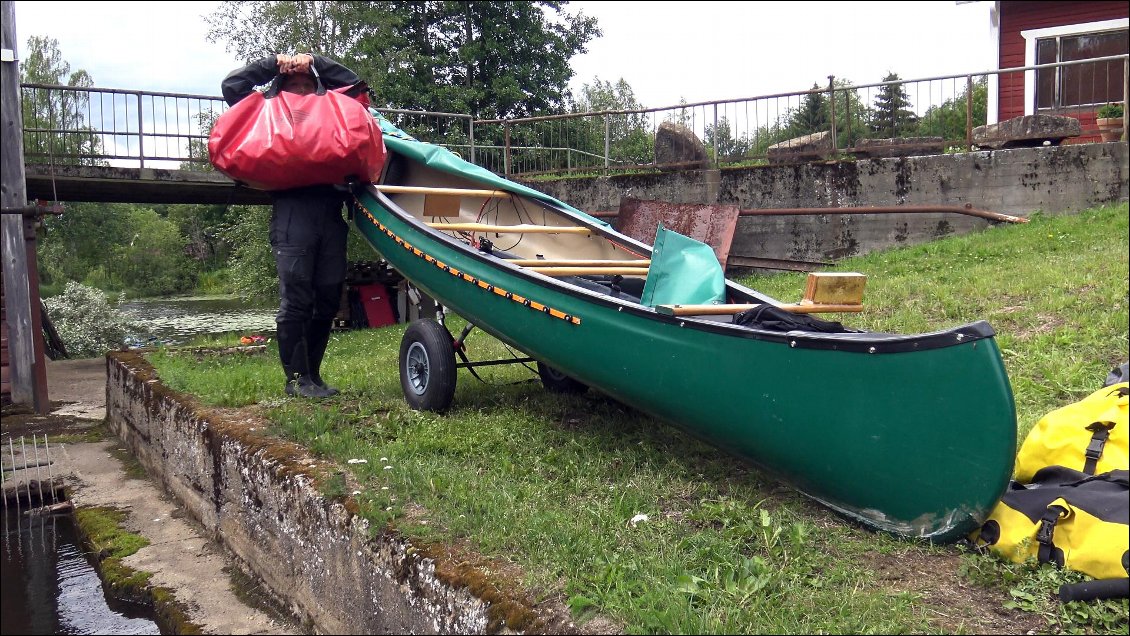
x=427 y=366
x=558 y=382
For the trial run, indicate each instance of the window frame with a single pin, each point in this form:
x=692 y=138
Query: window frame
x=1031 y=36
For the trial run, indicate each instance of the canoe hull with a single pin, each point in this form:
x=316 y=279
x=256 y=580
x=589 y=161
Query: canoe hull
x=913 y=436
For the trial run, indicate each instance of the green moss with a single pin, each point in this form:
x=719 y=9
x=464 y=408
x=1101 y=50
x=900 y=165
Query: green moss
x=103 y=529
x=89 y=436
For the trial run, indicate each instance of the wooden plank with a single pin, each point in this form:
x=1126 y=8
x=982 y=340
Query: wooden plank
x=511 y=229
x=834 y=288
x=580 y=262
x=441 y=204
x=395 y=189
x=590 y=271
x=21 y=290
x=722 y=310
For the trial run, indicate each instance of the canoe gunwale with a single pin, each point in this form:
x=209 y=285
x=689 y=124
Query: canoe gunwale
x=855 y=342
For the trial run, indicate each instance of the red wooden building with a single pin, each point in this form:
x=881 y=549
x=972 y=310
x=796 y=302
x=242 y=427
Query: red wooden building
x=1031 y=33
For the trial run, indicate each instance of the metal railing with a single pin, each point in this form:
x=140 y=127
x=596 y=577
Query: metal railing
x=936 y=112
x=64 y=124
x=85 y=125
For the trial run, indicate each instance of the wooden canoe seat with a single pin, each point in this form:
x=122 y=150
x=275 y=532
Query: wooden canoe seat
x=827 y=288
x=511 y=229
x=824 y=293
x=442 y=201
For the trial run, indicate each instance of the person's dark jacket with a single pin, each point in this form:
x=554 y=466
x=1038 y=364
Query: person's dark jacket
x=241 y=82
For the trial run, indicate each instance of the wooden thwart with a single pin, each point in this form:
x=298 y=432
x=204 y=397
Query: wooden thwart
x=590 y=271
x=443 y=201
x=824 y=293
x=511 y=229
x=577 y=262
x=395 y=189
x=722 y=310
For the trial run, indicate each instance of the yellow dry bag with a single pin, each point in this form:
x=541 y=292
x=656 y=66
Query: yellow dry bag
x=1090 y=435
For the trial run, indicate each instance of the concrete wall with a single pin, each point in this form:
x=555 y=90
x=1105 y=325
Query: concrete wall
x=259 y=498
x=1020 y=181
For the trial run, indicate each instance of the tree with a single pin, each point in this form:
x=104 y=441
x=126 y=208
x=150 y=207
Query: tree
x=81 y=241
x=434 y=55
x=154 y=262
x=892 y=115
x=630 y=138
x=812 y=116
x=53 y=109
x=730 y=147
x=948 y=119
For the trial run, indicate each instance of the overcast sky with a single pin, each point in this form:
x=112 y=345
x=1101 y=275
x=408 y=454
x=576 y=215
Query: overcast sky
x=699 y=51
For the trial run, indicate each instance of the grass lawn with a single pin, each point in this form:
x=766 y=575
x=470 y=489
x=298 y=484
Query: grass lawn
x=548 y=485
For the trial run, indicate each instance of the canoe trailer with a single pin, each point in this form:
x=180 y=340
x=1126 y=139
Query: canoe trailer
x=428 y=365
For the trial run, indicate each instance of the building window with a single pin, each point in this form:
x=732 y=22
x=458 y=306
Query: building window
x=1084 y=84
x=1079 y=86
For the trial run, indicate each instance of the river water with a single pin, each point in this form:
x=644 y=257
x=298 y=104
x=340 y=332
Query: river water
x=49 y=587
x=173 y=321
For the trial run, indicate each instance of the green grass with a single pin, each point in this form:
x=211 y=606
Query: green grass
x=551 y=483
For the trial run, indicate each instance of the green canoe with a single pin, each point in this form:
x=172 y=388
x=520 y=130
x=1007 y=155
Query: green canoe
x=909 y=434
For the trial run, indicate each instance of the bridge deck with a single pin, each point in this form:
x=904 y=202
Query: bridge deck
x=136 y=185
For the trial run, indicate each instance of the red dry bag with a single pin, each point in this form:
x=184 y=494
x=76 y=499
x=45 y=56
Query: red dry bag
x=291 y=141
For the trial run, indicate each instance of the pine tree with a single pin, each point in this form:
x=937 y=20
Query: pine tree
x=813 y=114
x=892 y=116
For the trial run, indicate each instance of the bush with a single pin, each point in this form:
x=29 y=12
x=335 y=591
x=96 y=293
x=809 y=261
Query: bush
x=1110 y=111
x=88 y=325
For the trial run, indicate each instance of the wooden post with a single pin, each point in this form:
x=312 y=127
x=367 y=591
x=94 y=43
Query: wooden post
x=21 y=290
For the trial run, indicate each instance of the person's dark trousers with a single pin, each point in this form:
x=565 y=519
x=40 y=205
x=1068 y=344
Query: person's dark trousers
x=308 y=238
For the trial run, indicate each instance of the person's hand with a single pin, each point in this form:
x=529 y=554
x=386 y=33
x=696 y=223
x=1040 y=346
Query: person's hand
x=284 y=63
x=301 y=63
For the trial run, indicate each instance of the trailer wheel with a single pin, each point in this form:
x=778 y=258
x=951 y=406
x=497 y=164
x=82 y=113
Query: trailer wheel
x=557 y=382
x=427 y=366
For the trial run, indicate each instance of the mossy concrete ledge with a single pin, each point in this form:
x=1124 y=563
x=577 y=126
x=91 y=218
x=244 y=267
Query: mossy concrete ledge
x=259 y=498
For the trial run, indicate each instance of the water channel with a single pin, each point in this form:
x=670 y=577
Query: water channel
x=48 y=584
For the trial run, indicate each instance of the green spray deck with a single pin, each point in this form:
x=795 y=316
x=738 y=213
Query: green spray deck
x=909 y=434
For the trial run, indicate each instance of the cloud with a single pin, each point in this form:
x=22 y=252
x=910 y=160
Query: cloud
x=152 y=46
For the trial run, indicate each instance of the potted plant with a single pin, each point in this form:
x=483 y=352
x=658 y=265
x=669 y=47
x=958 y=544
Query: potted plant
x=1109 y=121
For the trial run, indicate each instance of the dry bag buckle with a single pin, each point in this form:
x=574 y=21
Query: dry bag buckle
x=1047 y=525
x=1100 y=434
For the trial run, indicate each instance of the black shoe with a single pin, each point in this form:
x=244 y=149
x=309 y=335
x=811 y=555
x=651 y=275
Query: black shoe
x=330 y=391
x=305 y=387
x=317 y=338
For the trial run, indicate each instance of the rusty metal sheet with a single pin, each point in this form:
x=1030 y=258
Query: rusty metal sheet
x=711 y=224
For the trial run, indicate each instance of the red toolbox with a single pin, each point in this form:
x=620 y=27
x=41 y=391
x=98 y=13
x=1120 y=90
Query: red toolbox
x=377 y=303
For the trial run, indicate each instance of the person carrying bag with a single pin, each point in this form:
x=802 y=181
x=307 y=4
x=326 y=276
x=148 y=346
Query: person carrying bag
x=303 y=139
